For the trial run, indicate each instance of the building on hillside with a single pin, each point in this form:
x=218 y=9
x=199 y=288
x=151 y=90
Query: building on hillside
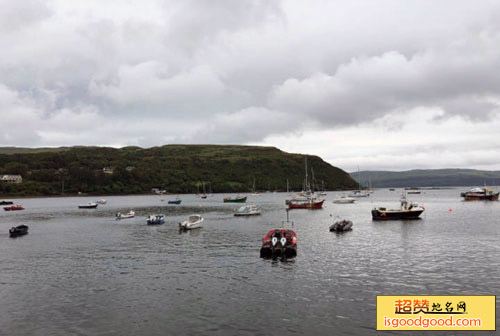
x=107 y=170
x=11 y=178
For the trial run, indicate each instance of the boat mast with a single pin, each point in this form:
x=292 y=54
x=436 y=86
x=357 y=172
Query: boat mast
x=307 y=182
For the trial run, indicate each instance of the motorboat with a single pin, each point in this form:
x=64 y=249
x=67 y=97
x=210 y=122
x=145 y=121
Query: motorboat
x=19 y=230
x=279 y=243
x=248 y=210
x=480 y=194
x=359 y=193
x=193 y=222
x=341 y=226
x=344 y=200
x=407 y=210
x=101 y=201
x=237 y=199
x=14 y=207
x=155 y=220
x=6 y=202
x=89 y=205
x=176 y=201
x=129 y=214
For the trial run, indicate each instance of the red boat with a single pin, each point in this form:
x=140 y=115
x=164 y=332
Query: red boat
x=14 y=208
x=279 y=243
x=305 y=203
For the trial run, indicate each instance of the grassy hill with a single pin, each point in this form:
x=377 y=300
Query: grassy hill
x=176 y=168
x=428 y=178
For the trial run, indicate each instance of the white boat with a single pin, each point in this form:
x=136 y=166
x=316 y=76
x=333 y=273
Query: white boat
x=101 y=201
x=359 y=193
x=193 y=222
x=89 y=205
x=130 y=214
x=247 y=210
x=344 y=200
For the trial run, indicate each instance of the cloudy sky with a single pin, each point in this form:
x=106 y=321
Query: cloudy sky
x=376 y=84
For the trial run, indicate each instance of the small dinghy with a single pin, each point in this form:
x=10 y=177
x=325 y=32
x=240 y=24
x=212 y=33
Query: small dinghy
x=176 y=201
x=89 y=205
x=14 y=208
x=279 y=243
x=193 y=222
x=156 y=220
x=17 y=231
x=341 y=226
x=129 y=214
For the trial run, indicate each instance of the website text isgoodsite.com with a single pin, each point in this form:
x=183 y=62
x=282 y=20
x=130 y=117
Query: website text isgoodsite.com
x=426 y=322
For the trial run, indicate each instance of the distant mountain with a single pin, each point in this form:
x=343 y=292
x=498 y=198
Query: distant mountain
x=175 y=168
x=427 y=178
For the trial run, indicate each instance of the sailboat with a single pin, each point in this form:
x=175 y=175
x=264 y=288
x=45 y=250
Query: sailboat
x=359 y=192
x=307 y=199
x=254 y=191
x=204 y=195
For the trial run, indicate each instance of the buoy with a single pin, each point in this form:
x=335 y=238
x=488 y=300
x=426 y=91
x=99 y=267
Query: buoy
x=450 y=210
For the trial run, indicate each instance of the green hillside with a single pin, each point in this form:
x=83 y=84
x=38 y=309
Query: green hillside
x=176 y=168
x=428 y=178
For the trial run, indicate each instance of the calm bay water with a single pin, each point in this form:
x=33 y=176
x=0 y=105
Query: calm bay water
x=82 y=272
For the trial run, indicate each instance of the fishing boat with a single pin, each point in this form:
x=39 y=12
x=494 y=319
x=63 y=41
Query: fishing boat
x=310 y=203
x=176 y=201
x=341 y=226
x=6 y=202
x=193 y=222
x=248 y=210
x=344 y=200
x=101 y=201
x=480 y=194
x=155 y=220
x=129 y=214
x=14 y=208
x=89 y=205
x=19 y=230
x=407 y=210
x=237 y=199
x=279 y=243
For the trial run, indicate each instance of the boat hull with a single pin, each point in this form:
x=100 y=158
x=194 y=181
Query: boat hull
x=6 y=203
x=174 y=202
x=247 y=214
x=268 y=252
x=235 y=200
x=306 y=205
x=341 y=226
x=13 y=208
x=395 y=215
x=87 y=206
x=492 y=197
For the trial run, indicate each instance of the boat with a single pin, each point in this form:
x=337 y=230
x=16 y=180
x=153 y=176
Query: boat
x=310 y=203
x=279 y=243
x=155 y=220
x=392 y=189
x=129 y=214
x=89 y=205
x=193 y=222
x=407 y=210
x=248 y=210
x=341 y=226
x=413 y=192
x=101 y=201
x=344 y=200
x=254 y=191
x=306 y=199
x=237 y=199
x=19 y=230
x=359 y=193
x=480 y=194
x=6 y=202
x=176 y=201
x=14 y=207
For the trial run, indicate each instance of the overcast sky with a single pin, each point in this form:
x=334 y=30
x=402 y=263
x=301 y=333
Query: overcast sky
x=380 y=84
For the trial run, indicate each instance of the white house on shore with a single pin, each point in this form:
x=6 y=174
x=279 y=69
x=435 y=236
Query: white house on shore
x=11 y=178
